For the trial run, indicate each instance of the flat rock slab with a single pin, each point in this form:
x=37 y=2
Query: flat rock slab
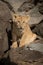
x=26 y=57
x=35 y=16
x=37 y=45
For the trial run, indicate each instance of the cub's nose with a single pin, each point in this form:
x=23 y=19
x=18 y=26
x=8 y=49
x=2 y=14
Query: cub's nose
x=20 y=27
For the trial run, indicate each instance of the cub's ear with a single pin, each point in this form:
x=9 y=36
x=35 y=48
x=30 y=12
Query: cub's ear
x=28 y=17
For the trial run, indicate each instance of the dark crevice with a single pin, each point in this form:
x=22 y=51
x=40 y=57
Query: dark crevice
x=35 y=2
x=9 y=35
x=6 y=61
x=33 y=27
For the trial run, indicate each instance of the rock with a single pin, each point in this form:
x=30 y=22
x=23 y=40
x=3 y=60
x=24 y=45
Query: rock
x=22 y=56
x=26 y=6
x=4 y=24
x=41 y=8
x=37 y=45
x=15 y=3
x=3 y=8
x=39 y=29
x=6 y=61
x=35 y=16
x=38 y=63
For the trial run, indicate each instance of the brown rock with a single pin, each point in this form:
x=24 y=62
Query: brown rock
x=4 y=24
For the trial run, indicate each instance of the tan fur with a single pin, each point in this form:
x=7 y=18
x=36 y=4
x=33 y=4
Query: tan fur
x=22 y=21
x=20 y=18
x=14 y=45
x=28 y=36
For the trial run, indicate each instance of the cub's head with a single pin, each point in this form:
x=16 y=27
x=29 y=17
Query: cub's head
x=21 y=20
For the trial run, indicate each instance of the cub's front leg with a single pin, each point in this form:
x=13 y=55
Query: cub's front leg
x=27 y=39
x=23 y=41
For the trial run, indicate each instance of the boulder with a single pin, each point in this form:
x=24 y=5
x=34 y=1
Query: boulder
x=4 y=25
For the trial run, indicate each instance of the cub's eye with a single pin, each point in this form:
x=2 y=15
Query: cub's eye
x=15 y=16
x=19 y=21
x=23 y=21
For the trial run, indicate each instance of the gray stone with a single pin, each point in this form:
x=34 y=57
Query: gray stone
x=4 y=24
x=20 y=55
x=37 y=45
x=39 y=29
x=26 y=6
x=41 y=8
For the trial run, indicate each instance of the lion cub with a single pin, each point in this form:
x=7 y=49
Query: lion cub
x=27 y=35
